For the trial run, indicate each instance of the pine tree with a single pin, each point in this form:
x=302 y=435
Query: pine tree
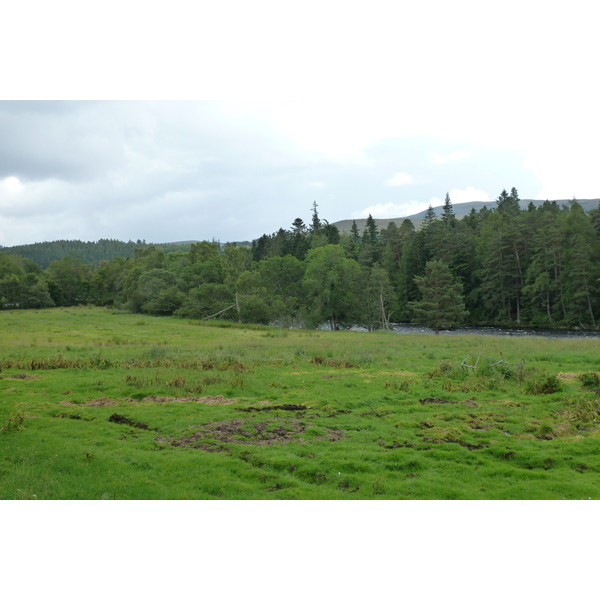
x=448 y=217
x=442 y=305
x=370 y=234
x=316 y=222
x=595 y=216
x=582 y=273
x=508 y=203
x=429 y=218
x=298 y=226
x=354 y=234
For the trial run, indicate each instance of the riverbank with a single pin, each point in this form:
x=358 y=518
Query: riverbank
x=405 y=328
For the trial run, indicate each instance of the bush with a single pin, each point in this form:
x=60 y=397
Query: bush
x=543 y=384
x=14 y=423
x=589 y=379
x=582 y=410
x=445 y=366
x=402 y=385
x=255 y=310
x=546 y=432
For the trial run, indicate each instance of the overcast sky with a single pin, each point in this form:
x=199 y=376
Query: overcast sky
x=376 y=108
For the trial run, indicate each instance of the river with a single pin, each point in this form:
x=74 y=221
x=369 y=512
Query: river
x=404 y=328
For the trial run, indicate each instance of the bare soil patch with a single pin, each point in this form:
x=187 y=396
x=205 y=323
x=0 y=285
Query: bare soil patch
x=123 y=420
x=160 y=399
x=459 y=442
x=290 y=407
x=246 y=432
x=434 y=401
x=23 y=376
x=201 y=399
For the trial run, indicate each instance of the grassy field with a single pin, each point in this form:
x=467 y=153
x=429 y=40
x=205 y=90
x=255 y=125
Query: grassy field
x=103 y=405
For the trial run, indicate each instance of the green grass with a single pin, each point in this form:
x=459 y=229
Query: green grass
x=498 y=433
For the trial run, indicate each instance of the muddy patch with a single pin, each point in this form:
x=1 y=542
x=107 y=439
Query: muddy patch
x=291 y=407
x=95 y=402
x=268 y=432
x=23 y=376
x=459 y=442
x=376 y=413
x=434 y=401
x=395 y=445
x=76 y=416
x=211 y=400
x=123 y=420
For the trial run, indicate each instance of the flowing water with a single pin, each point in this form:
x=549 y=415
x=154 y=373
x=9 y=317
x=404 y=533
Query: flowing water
x=496 y=331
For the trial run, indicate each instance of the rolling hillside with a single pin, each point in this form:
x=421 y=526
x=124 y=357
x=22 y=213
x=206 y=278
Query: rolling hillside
x=460 y=210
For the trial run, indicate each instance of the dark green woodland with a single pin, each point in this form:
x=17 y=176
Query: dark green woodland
x=510 y=266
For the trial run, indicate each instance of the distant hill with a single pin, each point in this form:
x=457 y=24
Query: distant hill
x=43 y=253
x=460 y=210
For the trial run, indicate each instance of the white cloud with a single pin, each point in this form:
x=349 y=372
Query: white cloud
x=440 y=159
x=399 y=179
x=568 y=169
x=316 y=184
x=10 y=186
x=469 y=194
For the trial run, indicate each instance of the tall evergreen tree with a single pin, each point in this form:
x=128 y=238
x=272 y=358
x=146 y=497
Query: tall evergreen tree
x=315 y=225
x=298 y=226
x=448 y=217
x=370 y=234
x=429 y=218
x=508 y=203
x=354 y=233
x=442 y=305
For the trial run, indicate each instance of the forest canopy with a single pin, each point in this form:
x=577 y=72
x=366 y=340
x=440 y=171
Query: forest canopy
x=533 y=266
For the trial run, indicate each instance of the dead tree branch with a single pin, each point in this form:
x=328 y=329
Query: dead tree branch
x=217 y=314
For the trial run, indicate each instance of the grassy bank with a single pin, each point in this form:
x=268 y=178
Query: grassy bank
x=101 y=405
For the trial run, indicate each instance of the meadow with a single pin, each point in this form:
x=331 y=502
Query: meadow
x=96 y=404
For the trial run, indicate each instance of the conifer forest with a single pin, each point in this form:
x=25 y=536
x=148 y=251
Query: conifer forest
x=509 y=266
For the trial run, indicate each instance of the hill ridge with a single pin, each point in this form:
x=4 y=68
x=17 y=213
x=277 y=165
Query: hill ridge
x=460 y=210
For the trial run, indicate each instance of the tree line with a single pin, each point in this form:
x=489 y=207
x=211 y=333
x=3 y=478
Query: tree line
x=535 y=267
x=44 y=253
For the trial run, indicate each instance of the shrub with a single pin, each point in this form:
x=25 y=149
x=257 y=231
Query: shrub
x=582 y=410
x=546 y=432
x=402 y=385
x=445 y=366
x=14 y=423
x=506 y=371
x=255 y=310
x=589 y=379
x=543 y=384
x=98 y=361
